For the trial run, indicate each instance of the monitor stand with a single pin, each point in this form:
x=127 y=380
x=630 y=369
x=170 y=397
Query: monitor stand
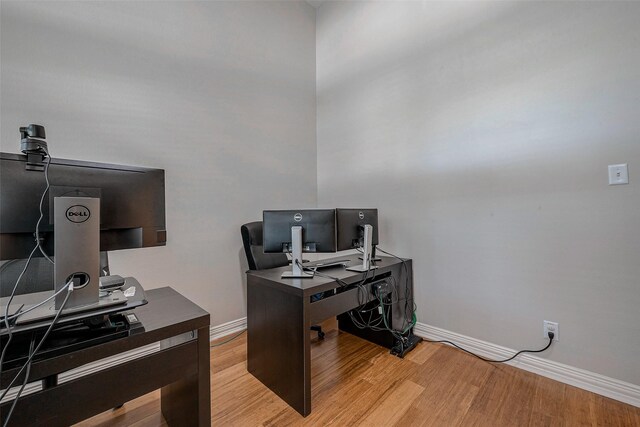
x=366 y=256
x=297 y=272
x=76 y=227
x=373 y=255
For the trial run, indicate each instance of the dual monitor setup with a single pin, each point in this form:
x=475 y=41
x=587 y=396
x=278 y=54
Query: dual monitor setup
x=70 y=212
x=320 y=230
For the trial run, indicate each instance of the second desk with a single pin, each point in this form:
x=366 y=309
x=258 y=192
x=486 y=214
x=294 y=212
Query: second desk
x=281 y=311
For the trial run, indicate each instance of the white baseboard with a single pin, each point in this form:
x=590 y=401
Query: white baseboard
x=228 y=328
x=596 y=383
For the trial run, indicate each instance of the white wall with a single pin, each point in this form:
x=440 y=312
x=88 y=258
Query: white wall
x=483 y=132
x=219 y=94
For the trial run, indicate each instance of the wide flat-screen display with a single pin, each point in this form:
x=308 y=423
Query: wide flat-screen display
x=350 y=224
x=132 y=203
x=318 y=229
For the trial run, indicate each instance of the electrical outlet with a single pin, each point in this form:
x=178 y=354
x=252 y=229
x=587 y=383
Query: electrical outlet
x=551 y=327
x=618 y=174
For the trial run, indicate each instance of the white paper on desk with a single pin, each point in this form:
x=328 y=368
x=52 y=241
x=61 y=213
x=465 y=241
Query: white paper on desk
x=130 y=292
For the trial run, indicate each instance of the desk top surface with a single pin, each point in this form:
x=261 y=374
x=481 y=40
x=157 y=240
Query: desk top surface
x=325 y=278
x=167 y=314
x=166 y=308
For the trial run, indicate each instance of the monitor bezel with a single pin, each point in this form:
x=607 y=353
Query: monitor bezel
x=281 y=221
x=347 y=223
x=16 y=240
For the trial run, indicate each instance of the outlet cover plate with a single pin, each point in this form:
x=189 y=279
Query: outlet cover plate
x=551 y=327
x=618 y=174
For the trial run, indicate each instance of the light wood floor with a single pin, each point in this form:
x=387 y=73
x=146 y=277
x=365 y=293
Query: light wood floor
x=358 y=383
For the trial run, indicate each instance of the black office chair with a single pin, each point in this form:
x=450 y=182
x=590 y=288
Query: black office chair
x=37 y=278
x=258 y=260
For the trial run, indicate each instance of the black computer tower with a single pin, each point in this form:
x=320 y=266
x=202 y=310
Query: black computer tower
x=383 y=338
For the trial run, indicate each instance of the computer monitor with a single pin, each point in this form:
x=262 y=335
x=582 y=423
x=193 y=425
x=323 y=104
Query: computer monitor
x=358 y=229
x=298 y=231
x=132 y=203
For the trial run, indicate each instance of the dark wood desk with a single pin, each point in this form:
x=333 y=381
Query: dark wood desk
x=280 y=313
x=180 y=368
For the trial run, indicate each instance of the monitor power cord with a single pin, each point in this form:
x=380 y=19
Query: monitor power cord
x=38 y=246
x=414 y=319
x=44 y=193
x=218 y=344
x=27 y=364
x=550 y=335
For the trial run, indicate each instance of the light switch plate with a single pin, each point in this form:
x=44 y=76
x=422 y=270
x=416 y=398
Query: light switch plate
x=618 y=174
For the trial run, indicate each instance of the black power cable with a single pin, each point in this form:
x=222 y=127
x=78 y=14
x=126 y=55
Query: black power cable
x=27 y=364
x=550 y=334
x=228 y=340
x=38 y=245
x=409 y=305
x=44 y=193
x=6 y=309
x=407 y=323
x=363 y=299
x=410 y=298
x=24 y=384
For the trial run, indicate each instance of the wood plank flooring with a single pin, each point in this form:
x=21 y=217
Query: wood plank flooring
x=356 y=383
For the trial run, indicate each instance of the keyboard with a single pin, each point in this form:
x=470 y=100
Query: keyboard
x=328 y=264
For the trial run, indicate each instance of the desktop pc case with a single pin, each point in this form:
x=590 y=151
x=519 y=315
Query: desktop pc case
x=372 y=315
x=383 y=338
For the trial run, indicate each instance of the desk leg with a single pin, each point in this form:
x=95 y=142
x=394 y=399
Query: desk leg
x=187 y=402
x=278 y=352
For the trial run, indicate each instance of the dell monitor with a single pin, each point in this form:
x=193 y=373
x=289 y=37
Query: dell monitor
x=88 y=207
x=298 y=231
x=132 y=203
x=358 y=229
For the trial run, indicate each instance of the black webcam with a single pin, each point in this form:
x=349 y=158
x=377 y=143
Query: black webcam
x=33 y=144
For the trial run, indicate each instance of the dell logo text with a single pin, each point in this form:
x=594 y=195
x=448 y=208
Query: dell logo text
x=78 y=213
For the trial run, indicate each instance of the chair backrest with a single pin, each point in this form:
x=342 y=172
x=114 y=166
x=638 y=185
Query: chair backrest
x=252 y=241
x=37 y=278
